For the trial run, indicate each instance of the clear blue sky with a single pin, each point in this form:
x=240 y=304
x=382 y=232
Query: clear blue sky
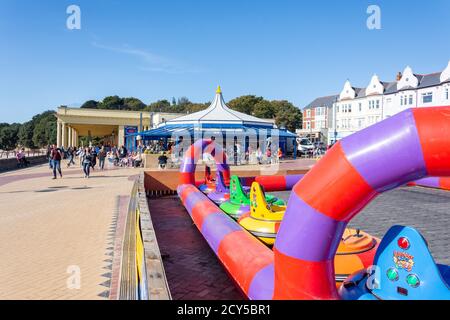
x=295 y=50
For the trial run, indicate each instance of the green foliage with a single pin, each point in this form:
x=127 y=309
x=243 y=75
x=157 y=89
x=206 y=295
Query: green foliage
x=90 y=104
x=264 y=109
x=245 y=104
x=111 y=103
x=159 y=106
x=25 y=135
x=9 y=136
x=44 y=129
x=287 y=115
x=133 y=104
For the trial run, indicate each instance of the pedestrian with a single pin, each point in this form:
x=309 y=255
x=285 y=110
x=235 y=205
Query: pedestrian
x=269 y=155
x=49 y=156
x=280 y=154
x=101 y=158
x=56 y=155
x=94 y=158
x=86 y=160
x=259 y=155
x=70 y=155
x=162 y=161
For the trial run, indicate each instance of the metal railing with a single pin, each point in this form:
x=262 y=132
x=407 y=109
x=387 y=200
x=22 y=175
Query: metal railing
x=4 y=154
x=142 y=270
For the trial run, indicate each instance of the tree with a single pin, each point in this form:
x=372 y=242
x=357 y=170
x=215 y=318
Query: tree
x=264 y=109
x=159 y=106
x=133 y=104
x=287 y=115
x=183 y=101
x=25 y=135
x=112 y=103
x=8 y=136
x=44 y=129
x=245 y=104
x=90 y=104
x=195 y=107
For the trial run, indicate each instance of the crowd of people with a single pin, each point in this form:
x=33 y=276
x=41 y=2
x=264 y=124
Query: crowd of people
x=89 y=157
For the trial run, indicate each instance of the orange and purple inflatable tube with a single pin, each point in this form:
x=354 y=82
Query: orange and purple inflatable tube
x=405 y=147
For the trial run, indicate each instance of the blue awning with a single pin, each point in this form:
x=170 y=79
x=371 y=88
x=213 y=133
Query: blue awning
x=167 y=131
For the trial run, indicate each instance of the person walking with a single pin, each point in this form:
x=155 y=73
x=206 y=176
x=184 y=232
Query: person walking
x=49 y=156
x=56 y=155
x=70 y=155
x=101 y=158
x=93 y=158
x=87 y=162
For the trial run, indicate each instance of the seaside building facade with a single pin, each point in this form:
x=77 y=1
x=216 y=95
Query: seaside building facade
x=356 y=108
x=111 y=125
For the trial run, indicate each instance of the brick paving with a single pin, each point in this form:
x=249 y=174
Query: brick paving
x=427 y=210
x=47 y=225
x=192 y=269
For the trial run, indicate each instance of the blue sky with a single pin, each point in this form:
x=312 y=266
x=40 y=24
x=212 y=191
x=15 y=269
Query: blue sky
x=295 y=50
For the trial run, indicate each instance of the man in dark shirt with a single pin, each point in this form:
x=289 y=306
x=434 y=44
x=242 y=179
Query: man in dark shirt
x=162 y=161
x=56 y=156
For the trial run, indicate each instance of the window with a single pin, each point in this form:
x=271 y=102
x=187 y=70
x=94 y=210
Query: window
x=360 y=122
x=446 y=93
x=308 y=113
x=378 y=104
x=349 y=108
x=410 y=99
x=337 y=108
x=427 y=97
x=360 y=107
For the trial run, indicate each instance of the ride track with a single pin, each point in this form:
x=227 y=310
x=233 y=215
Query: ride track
x=408 y=146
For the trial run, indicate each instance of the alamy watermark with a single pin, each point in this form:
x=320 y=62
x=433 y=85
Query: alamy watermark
x=73 y=21
x=374 y=20
x=74 y=279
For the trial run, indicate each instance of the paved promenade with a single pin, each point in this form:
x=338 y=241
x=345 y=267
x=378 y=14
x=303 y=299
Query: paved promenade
x=58 y=235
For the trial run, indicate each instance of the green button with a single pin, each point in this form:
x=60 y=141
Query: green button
x=392 y=274
x=413 y=280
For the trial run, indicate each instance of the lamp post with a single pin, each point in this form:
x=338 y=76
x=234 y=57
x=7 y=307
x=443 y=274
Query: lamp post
x=335 y=121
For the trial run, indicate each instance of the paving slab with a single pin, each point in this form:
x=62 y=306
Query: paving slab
x=56 y=232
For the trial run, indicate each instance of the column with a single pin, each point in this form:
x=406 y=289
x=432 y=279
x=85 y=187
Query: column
x=58 y=133
x=69 y=137
x=74 y=138
x=63 y=135
x=121 y=136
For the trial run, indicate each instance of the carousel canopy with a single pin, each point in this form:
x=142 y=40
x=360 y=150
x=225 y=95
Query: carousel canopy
x=219 y=112
x=217 y=119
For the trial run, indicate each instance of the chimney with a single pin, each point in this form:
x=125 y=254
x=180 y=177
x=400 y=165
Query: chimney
x=399 y=76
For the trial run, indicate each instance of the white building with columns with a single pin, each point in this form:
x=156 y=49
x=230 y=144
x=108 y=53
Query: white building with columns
x=111 y=125
x=358 y=108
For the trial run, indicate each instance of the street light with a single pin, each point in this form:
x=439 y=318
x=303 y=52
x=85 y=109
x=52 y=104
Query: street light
x=335 y=131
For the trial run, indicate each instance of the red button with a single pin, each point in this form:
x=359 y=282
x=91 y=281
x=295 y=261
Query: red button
x=403 y=243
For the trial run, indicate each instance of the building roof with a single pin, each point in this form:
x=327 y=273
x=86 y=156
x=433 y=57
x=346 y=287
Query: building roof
x=428 y=80
x=326 y=101
x=219 y=112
